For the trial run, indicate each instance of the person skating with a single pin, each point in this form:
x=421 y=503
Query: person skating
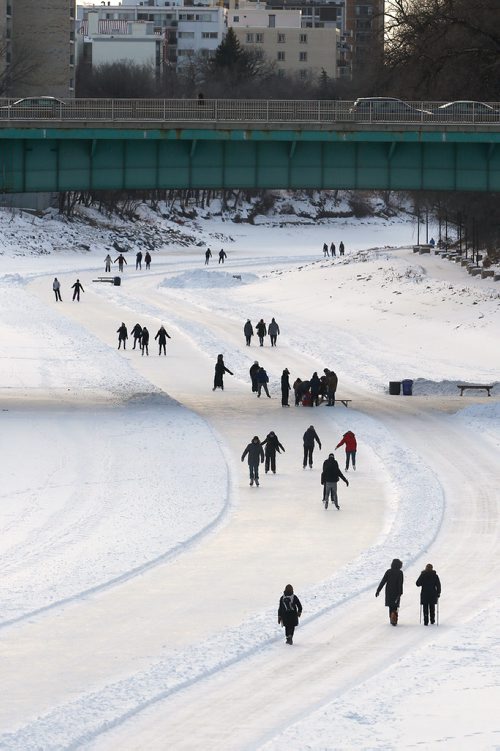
x=392 y=580
x=222 y=255
x=273 y=330
x=262 y=381
x=122 y=336
x=285 y=387
x=147 y=260
x=220 y=369
x=273 y=446
x=77 y=287
x=297 y=391
x=332 y=250
x=289 y=612
x=255 y=454
x=120 y=260
x=315 y=386
x=107 y=263
x=310 y=436
x=145 y=341
x=248 y=331
x=261 y=331
x=56 y=286
x=331 y=386
x=208 y=256
x=430 y=592
x=137 y=334
x=254 y=369
x=330 y=476
x=325 y=250
x=138 y=261
x=162 y=337
x=351 y=445
x=341 y=248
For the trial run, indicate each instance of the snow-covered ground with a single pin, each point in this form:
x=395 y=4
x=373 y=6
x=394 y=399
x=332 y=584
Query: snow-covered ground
x=140 y=572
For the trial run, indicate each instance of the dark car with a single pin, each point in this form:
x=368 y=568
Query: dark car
x=386 y=108
x=36 y=107
x=467 y=111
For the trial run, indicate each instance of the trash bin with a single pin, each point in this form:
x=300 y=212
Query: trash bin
x=395 y=388
x=407 y=385
x=117 y=280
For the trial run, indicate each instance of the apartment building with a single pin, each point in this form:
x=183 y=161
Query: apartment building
x=364 y=23
x=108 y=41
x=281 y=38
x=37 y=52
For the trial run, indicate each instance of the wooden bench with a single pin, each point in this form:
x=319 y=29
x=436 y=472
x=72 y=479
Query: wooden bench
x=478 y=386
x=345 y=402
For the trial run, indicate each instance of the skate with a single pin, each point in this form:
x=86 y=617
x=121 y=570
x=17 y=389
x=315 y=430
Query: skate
x=257 y=483
x=337 y=507
x=251 y=483
x=289 y=640
x=325 y=502
x=394 y=618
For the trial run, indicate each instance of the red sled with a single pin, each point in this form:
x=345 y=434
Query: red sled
x=307 y=400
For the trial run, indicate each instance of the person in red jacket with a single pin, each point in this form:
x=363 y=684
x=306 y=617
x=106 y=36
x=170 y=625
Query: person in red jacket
x=349 y=440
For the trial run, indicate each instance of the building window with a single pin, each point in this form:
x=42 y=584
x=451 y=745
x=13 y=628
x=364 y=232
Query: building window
x=259 y=38
x=209 y=35
x=249 y=38
x=303 y=38
x=236 y=19
x=272 y=21
x=303 y=73
x=303 y=57
x=281 y=56
x=281 y=38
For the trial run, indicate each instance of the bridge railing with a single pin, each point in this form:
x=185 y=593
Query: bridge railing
x=272 y=111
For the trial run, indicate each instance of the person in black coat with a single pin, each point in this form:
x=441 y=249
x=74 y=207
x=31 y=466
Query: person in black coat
x=220 y=369
x=262 y=380
x=309 y=437
x=393 y=582
x=122 y=335
x=147 y=259
x=430 y=592
x=315 y=384
x=248 y=331
x=285 y=387
x=255 y=457
x=330 y=476
x=254 y=369
x=272 y=445
x=145 y=341
x=289 y=612
x=137 y=334
x=138 y=261
x=162 y=337
x=261 y=331
x=78 y=288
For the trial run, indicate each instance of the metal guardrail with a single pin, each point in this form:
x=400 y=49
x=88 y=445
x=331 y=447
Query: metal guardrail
x=246 y=111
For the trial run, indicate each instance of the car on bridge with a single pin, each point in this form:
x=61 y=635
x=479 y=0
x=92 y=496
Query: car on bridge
x=385 y=108
x=36 y=107
x=467 y=111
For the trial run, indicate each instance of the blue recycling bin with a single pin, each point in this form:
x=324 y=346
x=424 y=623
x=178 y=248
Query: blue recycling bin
x=407 y=385
x=117 y=281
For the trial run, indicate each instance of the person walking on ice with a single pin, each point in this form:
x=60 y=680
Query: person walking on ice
x=137 y=334
x=351 y=445
x=325 y=250
x=273 y=446
x=262 y=381
x=138 y=261
x=56 y=286
x=147 y=260
x=77 y=287
x=341 y=248
x=310 y=436
x=145 y=341
x=430 y=592
x=332 y=250
x=248 y=331
x=255 y=454
x=392 y=580
x=208 y=256
x=285 y=387
x=220 y=369
x=162 y=337
x=122 y=336
x=273 y=330
x=330 y=476
x=121 y=260
x=222 y=255
x=261 y=331
x=289 y=612
x=107 y=263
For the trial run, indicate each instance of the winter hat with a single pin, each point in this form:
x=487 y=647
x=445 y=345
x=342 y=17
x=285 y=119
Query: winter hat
x=286 y=371
x=331 y=456
x=429 y=567
x=396 y=563
x=288 y=590
x=255 y=438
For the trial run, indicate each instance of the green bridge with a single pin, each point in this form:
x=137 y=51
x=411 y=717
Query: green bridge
x=125 y=146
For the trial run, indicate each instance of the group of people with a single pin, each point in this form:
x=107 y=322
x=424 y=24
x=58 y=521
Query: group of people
x=208 y=256
x=122 y=261
x=333 y=250
x=313 y=392
x=76 y=287
x=141 y=338
x=290 y=607
x=273 y=330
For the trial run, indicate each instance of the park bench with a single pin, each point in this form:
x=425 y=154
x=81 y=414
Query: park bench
x=116 y=280
x=485 y=386
x=345 y=402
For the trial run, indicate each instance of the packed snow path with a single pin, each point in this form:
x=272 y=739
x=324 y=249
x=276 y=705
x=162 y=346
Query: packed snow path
x=192 y=640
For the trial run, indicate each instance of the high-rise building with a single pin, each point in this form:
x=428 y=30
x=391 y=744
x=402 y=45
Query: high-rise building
x=364 y=26
x=37 y=52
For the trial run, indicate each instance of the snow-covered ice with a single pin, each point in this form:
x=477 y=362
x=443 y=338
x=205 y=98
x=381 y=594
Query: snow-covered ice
x=141 y=574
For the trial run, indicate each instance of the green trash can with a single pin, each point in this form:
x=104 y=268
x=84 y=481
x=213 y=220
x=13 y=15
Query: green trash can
x=395 y=388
